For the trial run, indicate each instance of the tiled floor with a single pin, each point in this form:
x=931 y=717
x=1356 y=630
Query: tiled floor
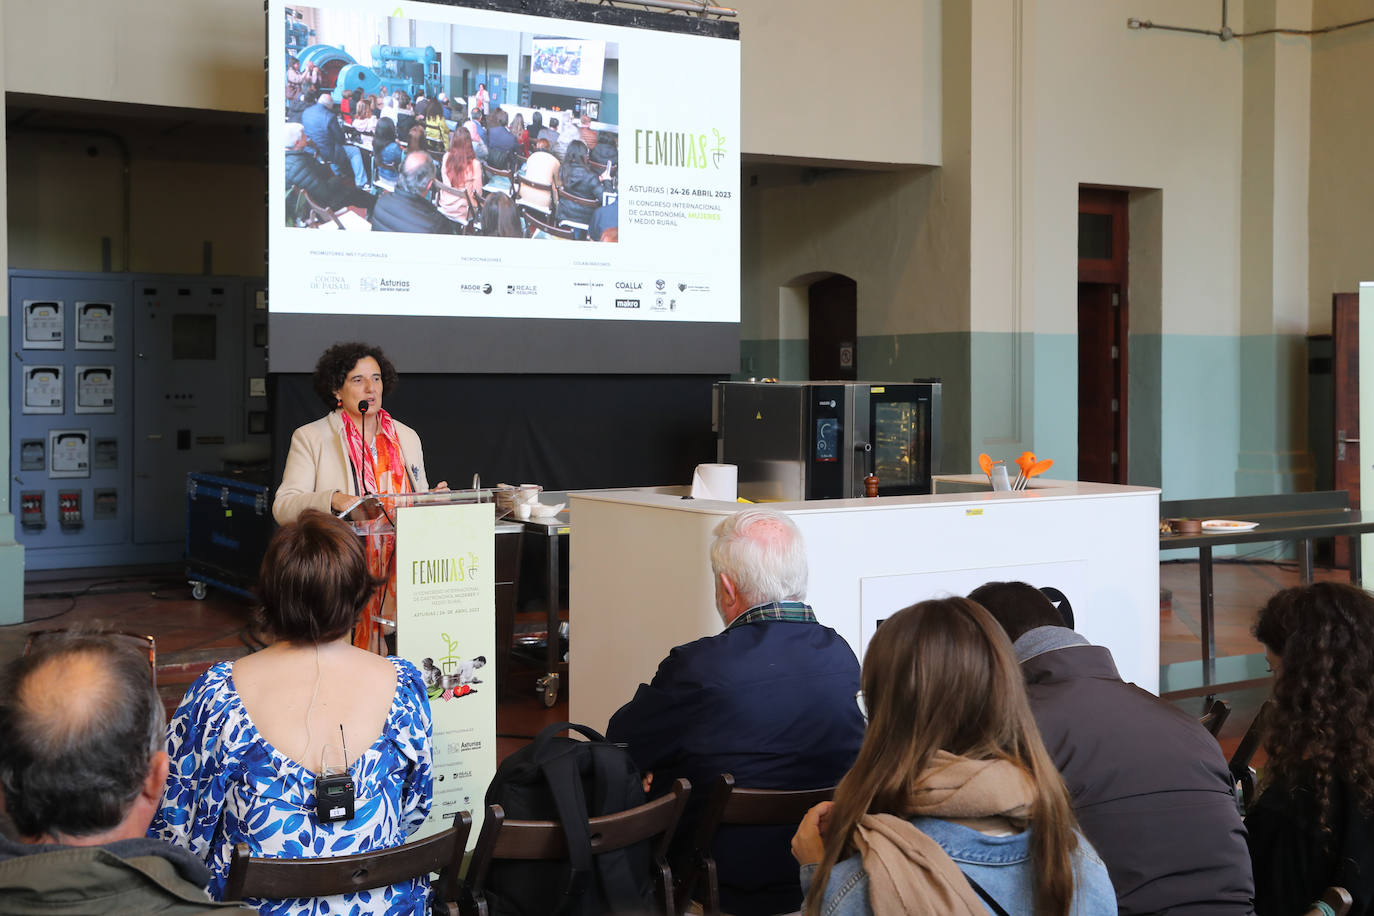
x=192 y=634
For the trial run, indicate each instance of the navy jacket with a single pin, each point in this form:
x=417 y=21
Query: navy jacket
x=322 y=127
x=397 y=211
x=1148 y=783
x=773 y=704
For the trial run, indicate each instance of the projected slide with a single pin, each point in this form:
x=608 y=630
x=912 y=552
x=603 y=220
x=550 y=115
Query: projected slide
x=567 y=62
x=477 y=163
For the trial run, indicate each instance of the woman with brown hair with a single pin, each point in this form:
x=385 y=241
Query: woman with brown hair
x=1313 y=825
x=254 y=739
x=953 y=806
x=463 y=173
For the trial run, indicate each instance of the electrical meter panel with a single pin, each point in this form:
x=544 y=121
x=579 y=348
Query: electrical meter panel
x=120 y=384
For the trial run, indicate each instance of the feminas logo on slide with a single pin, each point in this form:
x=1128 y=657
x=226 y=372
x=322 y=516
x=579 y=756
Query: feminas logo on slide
x=383 y=285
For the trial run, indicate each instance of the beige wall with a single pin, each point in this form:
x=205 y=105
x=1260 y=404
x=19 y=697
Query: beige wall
x=1144 y=109
x=63 y=200
x=186 y=53
x=857 y=81
x=1341 y=205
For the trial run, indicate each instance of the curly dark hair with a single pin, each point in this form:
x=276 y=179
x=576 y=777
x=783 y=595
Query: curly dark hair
x=336 y=362
x=1320 y=724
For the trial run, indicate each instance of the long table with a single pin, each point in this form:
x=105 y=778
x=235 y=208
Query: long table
x=1297 y=517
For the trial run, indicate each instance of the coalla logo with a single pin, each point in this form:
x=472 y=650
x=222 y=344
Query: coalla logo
x=626 y=284
x=678 y=149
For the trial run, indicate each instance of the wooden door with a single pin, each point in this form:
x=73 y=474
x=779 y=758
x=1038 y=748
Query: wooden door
x=1099 y=396
x=833 y=304
x=1103 y=243
x=1345 y=385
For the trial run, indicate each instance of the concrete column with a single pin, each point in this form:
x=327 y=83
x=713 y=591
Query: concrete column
x=1002 y=354
x=11 y=552
x=1276 y=126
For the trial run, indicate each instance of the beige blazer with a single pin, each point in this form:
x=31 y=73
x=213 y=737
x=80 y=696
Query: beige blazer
x=317 y=467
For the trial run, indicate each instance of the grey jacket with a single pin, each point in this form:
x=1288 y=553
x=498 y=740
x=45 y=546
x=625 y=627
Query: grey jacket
x=127 y=876
x=1148 y=783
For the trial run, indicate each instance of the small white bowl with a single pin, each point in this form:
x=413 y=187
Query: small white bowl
x=540 y=510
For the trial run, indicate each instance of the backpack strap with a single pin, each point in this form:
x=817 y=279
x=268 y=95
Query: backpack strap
x=560 y=771
x=611 y=792
x=987 y=898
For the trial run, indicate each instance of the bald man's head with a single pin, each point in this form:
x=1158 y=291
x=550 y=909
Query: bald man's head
x=80 y=723
x=417 y=173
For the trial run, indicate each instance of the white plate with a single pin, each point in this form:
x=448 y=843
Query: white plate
x=1218 y=525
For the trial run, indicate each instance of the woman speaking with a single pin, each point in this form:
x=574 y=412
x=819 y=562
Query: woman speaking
x=356 y=449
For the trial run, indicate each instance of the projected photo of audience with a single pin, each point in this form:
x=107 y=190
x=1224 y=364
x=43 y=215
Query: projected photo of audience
x=512 y=146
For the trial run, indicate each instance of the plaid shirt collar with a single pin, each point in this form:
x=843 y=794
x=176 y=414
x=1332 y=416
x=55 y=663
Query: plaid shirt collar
x=789 y=611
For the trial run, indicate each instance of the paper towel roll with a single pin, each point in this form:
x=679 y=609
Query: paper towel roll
x=715 y=481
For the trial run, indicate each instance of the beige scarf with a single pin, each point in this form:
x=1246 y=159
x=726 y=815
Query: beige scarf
x=907 y=871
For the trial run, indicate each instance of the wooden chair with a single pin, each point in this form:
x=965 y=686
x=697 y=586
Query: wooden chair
x=277 y=879
x=474 y=206
x=516 y=839
x=1336 y=898
x=1215 y=716
x=544 y=213
x=1241 y=771
x=744 y=807
x=495 y=179
x=318 y=215
x=589 y=203
x=535 y=223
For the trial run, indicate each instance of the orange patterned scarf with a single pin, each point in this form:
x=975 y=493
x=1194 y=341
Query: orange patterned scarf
x=380 y=469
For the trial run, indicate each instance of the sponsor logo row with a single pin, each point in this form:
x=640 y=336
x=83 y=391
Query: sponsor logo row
x=658 y=295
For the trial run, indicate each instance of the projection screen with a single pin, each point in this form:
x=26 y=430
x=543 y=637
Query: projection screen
x=625 y=261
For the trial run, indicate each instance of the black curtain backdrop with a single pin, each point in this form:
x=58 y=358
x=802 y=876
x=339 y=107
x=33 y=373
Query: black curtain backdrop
x=565 y=432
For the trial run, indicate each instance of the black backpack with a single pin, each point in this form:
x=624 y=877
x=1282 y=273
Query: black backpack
x=566 y=780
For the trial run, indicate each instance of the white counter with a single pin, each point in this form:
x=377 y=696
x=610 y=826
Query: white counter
x=640 y=578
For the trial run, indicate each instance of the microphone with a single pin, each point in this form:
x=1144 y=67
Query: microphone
x=363 y=406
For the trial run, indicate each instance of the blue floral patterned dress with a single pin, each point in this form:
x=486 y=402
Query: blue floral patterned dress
x=228 y=785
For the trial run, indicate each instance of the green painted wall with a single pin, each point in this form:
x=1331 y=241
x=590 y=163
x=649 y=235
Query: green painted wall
x=1189 y=432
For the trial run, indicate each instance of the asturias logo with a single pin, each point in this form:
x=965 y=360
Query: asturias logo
x=679 y=149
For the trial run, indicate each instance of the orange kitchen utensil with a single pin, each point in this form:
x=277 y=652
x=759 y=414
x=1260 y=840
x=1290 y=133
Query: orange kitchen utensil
x=1037 y=469
x=1024 y=462
x=985 y=462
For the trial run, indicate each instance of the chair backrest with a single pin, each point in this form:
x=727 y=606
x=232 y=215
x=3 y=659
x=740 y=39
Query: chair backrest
x=519 y=839
x=1336 y=898
x=318 y=215
x=1215 y=716
x=286 y=878
x=751 y=807
x=536 y=221
x=569 y=196
x=1239 y=765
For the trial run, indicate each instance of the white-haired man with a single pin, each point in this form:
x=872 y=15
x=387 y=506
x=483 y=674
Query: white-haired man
x=770 y=700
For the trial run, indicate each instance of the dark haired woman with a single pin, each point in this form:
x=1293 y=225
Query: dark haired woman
x=252 y=736
x=579 y=178
x=499 y=216
x=1313 y=825
x=349 y=452
x=388 y=152
x=953 y=800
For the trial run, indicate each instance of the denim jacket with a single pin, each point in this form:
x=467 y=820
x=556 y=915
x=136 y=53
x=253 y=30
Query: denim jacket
x=1000 y=864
